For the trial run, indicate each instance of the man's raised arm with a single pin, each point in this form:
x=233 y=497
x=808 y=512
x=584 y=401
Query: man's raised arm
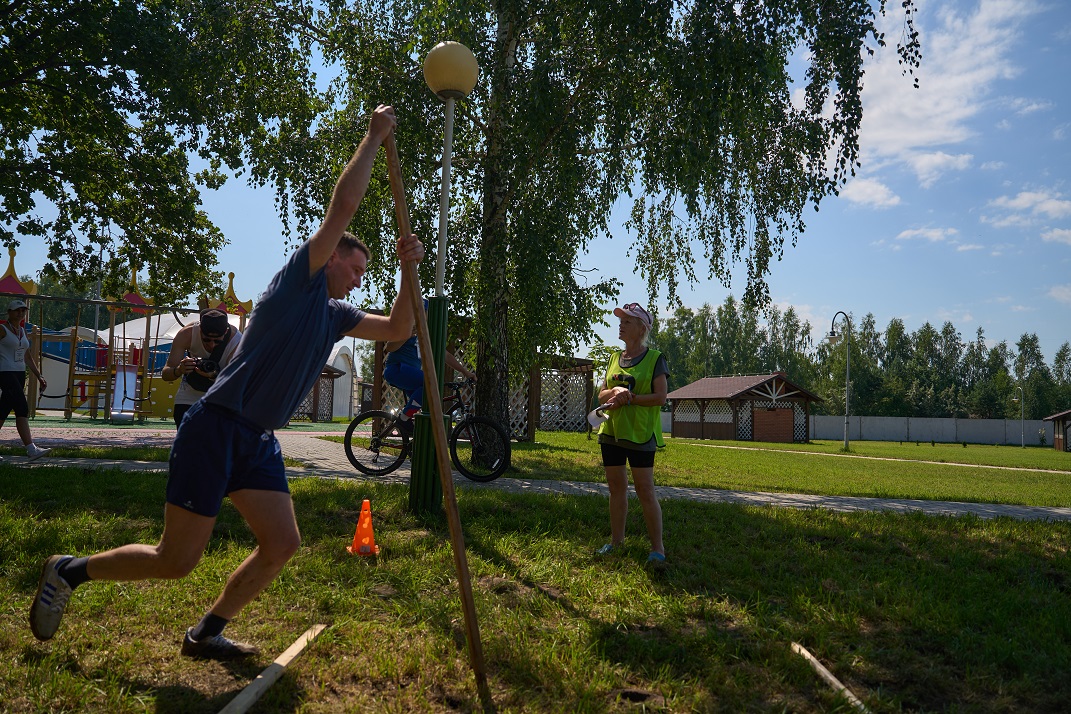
x=350 y=189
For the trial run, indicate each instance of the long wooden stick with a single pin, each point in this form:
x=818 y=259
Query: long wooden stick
x=828 y=677
x=253 y=691
x=432 y=396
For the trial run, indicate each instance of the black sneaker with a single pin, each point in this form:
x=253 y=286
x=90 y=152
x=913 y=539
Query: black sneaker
x=218 y=647
x=405 y=426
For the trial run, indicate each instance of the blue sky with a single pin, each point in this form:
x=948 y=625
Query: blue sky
x=961 y=210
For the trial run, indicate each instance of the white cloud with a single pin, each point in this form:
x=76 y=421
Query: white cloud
x=1060 y=132
x=869 y=192
x=1028 y=208
x=1009 y=221
x=963 y=247
x=1036 y=203
x=956 y=317
x=930 y=167
x=964 y=56
x=1057 y=235
x=933 y=235
x=1061 y=293
x=992 y=165
x=1022 y=106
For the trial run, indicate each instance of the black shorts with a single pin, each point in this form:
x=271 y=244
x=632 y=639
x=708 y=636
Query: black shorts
x=180 y=411
x=216 y=452
x=613 y=455
x=13 y=396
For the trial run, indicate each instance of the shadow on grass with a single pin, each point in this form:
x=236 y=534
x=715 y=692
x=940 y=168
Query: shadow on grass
x=918 y=611
x=910 y=612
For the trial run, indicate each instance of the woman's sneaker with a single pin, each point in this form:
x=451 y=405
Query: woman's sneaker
x=218 y=647
x=35 y=452
x=53 y=592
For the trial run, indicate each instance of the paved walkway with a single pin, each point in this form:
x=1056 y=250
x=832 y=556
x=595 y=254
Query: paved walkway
x=326 y=459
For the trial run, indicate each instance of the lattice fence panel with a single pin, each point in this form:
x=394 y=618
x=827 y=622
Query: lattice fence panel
x=799 y=422
x=318 y=410
x=743 y=422
x=687 y=412
x=718 y=412
x=563 y=400
x=518 y=411
x=391 y=398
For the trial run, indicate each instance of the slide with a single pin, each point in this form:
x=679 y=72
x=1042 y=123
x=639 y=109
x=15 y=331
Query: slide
x=125 y=392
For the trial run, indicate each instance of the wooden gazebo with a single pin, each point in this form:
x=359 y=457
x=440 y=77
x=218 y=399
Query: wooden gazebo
x=1061 y=425
x=756 y=407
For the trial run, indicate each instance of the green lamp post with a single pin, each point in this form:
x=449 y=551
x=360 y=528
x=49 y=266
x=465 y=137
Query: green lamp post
x=450 y=71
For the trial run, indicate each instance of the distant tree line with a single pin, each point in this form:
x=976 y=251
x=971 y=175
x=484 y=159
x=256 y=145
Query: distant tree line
x=930 y=372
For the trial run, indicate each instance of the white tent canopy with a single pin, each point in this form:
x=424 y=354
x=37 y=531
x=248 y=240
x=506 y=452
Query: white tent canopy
x=169 y=326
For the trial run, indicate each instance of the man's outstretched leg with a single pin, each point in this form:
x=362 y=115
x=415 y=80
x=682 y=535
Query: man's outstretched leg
x=185 y=536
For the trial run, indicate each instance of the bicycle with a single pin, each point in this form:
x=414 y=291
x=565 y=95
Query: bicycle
x=377 y=442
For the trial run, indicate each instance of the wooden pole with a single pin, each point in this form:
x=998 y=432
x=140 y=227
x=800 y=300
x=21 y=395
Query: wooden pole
x=434 y=400
x=68 y=403
x=248 y=696
x=828 y=677
x=108 y=367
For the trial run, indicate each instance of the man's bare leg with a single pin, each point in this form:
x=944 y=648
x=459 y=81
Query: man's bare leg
x=185 y=537
x=270 y=515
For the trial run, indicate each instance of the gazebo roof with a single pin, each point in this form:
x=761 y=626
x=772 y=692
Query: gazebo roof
x=769 y=386
x=1061 y=415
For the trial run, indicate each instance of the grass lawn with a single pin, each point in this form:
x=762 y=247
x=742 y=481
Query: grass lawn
x=910 y=612
x=119 y=453
x=889 y=471
x=124 y=453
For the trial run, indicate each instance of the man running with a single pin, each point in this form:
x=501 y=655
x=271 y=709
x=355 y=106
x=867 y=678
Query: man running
x=225 y=445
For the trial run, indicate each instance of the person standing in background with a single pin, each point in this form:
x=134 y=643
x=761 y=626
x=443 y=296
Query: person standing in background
x=15 y=357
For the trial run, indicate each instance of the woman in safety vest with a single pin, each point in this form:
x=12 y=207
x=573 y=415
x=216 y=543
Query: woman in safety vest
x=633 y=391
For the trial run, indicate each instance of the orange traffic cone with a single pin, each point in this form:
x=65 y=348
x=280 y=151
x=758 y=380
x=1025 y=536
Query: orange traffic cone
x=364 y=540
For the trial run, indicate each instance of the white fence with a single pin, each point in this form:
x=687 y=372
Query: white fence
x=970 y=431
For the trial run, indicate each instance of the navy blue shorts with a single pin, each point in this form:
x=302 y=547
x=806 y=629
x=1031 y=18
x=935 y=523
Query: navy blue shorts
x=217 y=452
x=409 y=379
x=613 y=455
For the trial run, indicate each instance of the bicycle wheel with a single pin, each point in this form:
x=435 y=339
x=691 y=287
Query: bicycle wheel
x=374 y=443
x=480 y=449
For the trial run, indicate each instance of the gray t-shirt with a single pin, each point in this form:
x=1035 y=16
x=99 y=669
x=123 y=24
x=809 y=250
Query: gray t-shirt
x=285 y=345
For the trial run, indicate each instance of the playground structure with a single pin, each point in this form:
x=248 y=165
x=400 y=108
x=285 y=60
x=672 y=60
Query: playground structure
x=116 y=374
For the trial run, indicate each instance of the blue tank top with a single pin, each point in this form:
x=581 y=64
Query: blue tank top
x=285 y=345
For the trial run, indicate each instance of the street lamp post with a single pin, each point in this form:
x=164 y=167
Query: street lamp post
x=833 y=339
x=1022 y=416
x=450 y=71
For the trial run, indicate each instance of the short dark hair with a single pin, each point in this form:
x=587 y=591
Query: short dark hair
x=352 y=242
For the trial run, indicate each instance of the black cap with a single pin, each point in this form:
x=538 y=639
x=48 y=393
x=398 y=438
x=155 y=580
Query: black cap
x=214 y=323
